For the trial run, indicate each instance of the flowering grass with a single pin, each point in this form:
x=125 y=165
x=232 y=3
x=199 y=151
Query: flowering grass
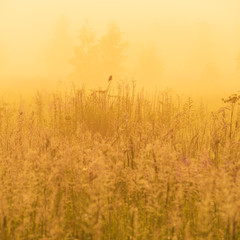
x=125 y=166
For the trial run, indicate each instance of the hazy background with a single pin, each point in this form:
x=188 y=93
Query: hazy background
x=192 y=46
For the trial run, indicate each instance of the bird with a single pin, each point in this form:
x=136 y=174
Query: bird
x=110 y=78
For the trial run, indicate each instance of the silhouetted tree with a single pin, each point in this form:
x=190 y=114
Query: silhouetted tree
x=60 y=50
x=203 y=59
x=112 y=51
x=86 y=56
x=95 y=60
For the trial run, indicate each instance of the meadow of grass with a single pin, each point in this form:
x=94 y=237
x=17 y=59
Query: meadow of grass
x=123 y=165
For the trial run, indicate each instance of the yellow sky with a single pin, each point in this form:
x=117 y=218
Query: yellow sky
x=36 y=17
x=172 y=25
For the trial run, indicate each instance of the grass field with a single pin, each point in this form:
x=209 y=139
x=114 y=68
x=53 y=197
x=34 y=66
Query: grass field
x=123 y=165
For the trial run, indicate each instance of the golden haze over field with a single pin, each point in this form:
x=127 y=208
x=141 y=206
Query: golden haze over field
x=119 y=119
x=190 y=46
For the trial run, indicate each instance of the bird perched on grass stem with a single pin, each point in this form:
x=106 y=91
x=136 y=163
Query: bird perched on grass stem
x=110 y=78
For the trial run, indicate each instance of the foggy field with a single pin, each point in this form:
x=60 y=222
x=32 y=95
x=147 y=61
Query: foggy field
x=98 y=165
x=120 y=120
